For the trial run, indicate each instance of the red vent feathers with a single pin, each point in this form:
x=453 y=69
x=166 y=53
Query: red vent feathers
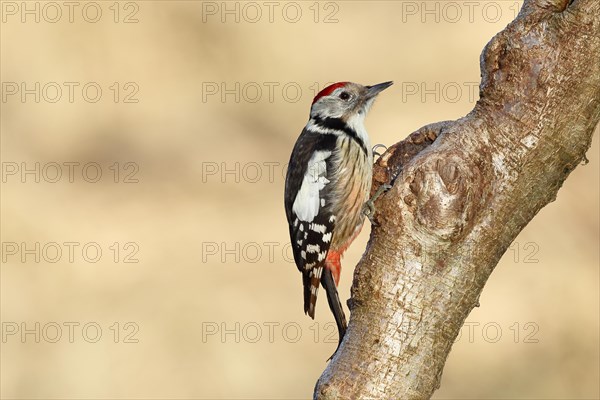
x=328 y=90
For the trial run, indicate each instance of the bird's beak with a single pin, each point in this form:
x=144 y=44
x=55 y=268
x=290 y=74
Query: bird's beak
x=374 y=90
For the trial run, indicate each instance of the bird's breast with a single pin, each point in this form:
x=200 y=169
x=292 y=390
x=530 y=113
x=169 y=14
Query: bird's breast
x=352 y=172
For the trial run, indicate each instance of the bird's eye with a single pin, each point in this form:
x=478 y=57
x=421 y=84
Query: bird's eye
x=344 y=95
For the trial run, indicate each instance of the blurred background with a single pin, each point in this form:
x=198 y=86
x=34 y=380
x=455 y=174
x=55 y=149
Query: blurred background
x=144 y=243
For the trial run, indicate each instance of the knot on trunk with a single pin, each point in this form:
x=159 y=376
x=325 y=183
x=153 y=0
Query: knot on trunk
x=441 y=196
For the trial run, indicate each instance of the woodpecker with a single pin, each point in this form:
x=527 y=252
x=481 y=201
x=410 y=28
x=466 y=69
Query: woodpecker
x=327 y=186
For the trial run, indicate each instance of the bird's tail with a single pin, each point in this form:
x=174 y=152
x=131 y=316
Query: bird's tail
x=327 y=277
x=334 y=303
x=311 y=283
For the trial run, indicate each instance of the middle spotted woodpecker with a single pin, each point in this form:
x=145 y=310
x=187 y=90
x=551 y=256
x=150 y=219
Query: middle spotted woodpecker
x=327 y=185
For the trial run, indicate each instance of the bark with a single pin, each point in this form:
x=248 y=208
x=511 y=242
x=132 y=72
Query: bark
x=462 y=191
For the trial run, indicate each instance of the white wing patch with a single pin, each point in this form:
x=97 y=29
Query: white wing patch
x=319 y=228
x=307 y=202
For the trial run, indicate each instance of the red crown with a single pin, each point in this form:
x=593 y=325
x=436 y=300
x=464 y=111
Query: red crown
x=328 y=90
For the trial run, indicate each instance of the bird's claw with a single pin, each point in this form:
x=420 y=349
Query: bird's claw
x=369 y=212
x=377 y=146
x=369 y=207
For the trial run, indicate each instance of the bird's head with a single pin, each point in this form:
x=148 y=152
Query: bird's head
x=345 y=99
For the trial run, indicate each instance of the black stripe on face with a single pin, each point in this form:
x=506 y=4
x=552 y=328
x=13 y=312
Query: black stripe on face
x=339 y=125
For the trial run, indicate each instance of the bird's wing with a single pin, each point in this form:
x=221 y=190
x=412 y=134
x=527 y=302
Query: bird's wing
x=308 y=209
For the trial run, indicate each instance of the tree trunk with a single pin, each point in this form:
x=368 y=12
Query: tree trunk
x=462 y=191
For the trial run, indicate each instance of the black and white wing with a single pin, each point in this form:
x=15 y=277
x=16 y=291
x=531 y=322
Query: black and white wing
x=308 y=208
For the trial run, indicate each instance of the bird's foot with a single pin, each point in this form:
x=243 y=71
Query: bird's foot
x=377 y=147
x=369 y=207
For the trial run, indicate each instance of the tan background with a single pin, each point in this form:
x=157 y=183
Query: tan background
x=534 y=336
